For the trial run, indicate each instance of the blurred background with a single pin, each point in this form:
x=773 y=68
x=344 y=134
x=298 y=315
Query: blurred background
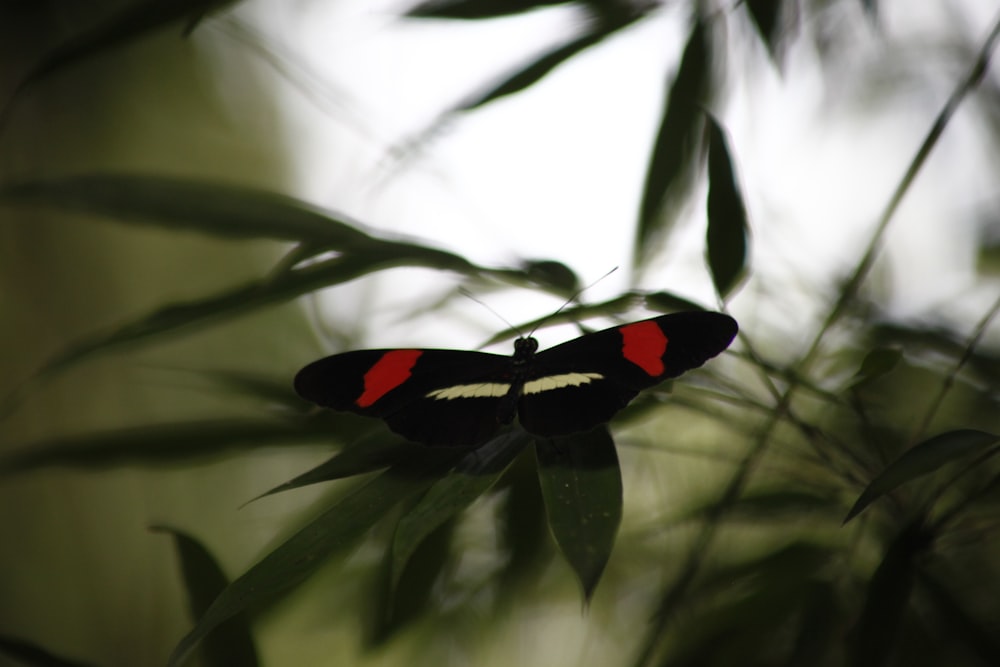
x=146 y=353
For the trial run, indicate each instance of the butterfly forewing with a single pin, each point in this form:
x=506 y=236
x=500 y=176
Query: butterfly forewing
x=440 y=397
x=595 y=376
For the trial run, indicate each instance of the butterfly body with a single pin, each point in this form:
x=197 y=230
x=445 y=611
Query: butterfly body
x=461 y=398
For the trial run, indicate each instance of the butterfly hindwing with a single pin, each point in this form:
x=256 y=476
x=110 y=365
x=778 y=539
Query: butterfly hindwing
x=584 y=382
x=440 y=397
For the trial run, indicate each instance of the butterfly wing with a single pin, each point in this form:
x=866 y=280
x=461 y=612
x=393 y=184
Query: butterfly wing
x=584 y=382
x=436 y=397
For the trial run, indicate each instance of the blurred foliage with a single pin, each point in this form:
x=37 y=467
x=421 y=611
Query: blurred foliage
x=890 y=424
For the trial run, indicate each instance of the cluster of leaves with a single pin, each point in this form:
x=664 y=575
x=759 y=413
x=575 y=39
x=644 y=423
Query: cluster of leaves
x=804 y=600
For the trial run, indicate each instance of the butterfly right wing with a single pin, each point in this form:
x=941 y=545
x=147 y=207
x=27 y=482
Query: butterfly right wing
x=435 y=397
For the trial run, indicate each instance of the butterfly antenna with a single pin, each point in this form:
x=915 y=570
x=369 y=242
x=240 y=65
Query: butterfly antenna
x=467 y=293
x=575 y=295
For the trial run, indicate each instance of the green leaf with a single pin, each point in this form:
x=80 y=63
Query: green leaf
x=876 y=363
x=257 y=294
x=134 y=21
x=159 y=444
x=211 y=208
x=572 y=315
x=337 y=529
x=477 y=9
x=675 y=150
x=582 y=486
x=551 y=274
x=472 y=477
x=360 y=457
x=668 y=302
x=27 y=654
x=231 y=643
x=765 y=15
x=921 y=459
x=886 y=600
x=727 y=218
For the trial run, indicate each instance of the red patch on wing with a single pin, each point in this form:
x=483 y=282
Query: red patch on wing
x=390 y=371
x=643 y=343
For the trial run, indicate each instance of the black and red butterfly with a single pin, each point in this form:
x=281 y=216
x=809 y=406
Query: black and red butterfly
x=459 y=398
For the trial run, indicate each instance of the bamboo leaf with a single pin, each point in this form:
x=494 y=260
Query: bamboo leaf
x=582 y=486
x=922 y=459
x=726 y=239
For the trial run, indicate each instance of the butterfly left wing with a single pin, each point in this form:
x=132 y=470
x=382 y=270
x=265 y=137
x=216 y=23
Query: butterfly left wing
x=436 y=397
x=584 y=382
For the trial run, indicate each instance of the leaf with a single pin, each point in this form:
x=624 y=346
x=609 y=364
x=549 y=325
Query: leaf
x=133 y=22
x=360 y=457
x=551 y=274
x=921 y=459
x=337 y=529
x=571 y=315
x=675 y=149
x=477 y=9
x=582 y=486
x=211 y=208
x=727 y=218
x=158 y=444
x=877 y=362
x=472 y=477
x=28 y=654
x=876 y=632
x=231 y=643
x=765 y=15
x=668 y=302
x=257 y=294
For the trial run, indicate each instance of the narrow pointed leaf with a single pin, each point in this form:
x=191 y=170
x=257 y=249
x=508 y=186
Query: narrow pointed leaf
x=232 y=642
x=477 y=9
x=472 y=477
x=133 y=22
x=334 y=531
x=726 y=239
x=27 y=654
x=886 y=600
x=922 y=459
x=876 y=363
x=208 y=207
x=675 y=149
x=258 y=294
x=582 y=486
x=361 y=457
x=765 y=15
x=158 y=444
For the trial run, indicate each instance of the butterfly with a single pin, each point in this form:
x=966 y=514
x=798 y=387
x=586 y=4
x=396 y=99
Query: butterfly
x=461 y=398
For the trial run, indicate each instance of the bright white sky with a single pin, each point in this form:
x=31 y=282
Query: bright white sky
x=556 y=172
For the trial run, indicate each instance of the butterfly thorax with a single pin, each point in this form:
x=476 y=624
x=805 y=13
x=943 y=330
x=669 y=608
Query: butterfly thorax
x=524 y=353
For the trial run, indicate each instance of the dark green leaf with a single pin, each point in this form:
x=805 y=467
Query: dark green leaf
x=159 y=444
x=582 y=486
x=134 y=21
x=334 y=531
x=668 y=302
x=875 y=634
x=537 y=69
x=765 y=15
x=675 y=150
x=231 y=643
x=360 y=457
x=921 y=459
x=257 y=294
x=552 y=274
x=472 y=477
x=211 y=208
x=27 y=654
x=477 y=9
x=979 y=635
x=727 y=218
x=402 y=598
x=877 y=363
